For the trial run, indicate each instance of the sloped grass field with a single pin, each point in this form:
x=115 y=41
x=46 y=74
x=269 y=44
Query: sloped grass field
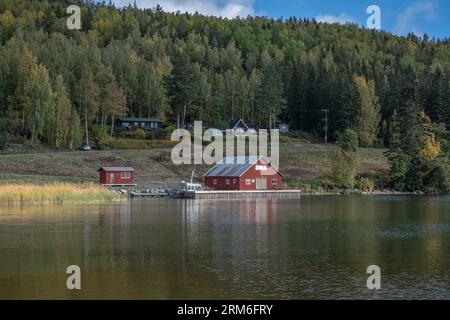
x=300 y=162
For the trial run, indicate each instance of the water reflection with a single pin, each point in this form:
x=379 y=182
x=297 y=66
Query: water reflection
x=315 y=247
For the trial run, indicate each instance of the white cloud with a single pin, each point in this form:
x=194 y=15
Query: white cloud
x=407 y=20
x=219 y=8
x=343 y=18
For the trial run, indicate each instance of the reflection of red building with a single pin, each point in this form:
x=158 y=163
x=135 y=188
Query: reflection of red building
x=116 y=176
x=243 y=173
x=259 y=210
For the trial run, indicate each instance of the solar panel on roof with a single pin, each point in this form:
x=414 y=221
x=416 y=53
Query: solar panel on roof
x=232 y=166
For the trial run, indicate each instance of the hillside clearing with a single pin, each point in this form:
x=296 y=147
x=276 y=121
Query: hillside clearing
x=299 y=162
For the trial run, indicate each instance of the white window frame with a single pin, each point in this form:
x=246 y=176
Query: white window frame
x=227 y=181
x=248 y=182
x=214 y=181
x=125 y=175
x=276 y=182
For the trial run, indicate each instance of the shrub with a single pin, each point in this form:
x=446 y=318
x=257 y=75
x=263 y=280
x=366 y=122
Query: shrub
x=167 y=131
x=365 y=184
x=139 y=134
x=348 y=140
x=3 y=134
x=399 y=167
x=100 y=132
x=136 y=144
x=440 y=176
x=344 y=169
x=3 y=139
x=345 y=160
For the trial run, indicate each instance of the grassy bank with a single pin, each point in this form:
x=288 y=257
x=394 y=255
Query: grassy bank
x=18 y=194
x=305 y=166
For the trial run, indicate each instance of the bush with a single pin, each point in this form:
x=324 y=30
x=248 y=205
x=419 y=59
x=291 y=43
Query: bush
x=348 y=140
x=136 y=144
x=365 y=185
x=344 y=169
x=345 y=160
x=3 y=134
x=139 y=134
x=399 y=167
x=3 y=139
x=284 y=139
x=100 y=132
x=167 y=131
x=440 y=177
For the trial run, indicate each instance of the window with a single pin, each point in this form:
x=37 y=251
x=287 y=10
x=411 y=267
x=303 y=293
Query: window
x=125 y=175
x=261 y=168
x=274 y=182
x=214 y=181
x=234 y=181
x=227 y=181
x=154 y=125
x=248 y=182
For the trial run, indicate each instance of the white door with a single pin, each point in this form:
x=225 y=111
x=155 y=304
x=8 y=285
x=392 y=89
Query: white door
x=261 y=183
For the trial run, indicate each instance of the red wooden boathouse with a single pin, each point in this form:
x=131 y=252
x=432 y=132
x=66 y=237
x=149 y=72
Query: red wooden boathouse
x=243 y=173
x=116 y=176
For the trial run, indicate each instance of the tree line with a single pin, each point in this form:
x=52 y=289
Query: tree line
x=182 y=67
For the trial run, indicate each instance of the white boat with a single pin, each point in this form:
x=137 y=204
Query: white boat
x=185 y=190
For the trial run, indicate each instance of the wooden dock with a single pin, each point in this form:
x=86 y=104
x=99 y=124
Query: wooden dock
x=149 y=194
x=241 y=194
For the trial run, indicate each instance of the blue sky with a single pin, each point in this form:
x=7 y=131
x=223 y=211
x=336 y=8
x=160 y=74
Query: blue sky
x=397 y=16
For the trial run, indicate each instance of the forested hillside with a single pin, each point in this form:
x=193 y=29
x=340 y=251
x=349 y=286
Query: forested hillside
x=162 y=64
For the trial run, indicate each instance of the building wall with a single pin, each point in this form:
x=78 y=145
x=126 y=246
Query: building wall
x=251 y=176
x=105 y=178
x=222 y=183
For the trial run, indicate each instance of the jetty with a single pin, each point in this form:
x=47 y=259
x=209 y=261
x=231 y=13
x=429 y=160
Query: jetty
x=242 y=194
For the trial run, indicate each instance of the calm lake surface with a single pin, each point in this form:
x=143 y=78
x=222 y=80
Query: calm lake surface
x=314 y=248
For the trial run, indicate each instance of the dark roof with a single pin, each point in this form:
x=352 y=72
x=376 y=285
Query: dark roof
x=139 y=120
x=253 y=126
x=109 y=169
x=234 y=122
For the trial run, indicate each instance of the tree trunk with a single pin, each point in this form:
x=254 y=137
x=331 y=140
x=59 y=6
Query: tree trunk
x=112 y=125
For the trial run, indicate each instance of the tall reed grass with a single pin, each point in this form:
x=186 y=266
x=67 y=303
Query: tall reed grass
x=15 y=194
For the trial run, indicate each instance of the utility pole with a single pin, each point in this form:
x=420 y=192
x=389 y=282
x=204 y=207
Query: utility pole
x=326 y=124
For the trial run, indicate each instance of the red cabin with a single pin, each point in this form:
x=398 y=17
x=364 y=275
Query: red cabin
x=243 y=173
x=116 y=176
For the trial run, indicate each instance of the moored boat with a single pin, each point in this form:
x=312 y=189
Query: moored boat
x=185 y=190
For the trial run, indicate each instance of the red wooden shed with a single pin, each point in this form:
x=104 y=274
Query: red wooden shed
x=243 y=173
x=116 y=176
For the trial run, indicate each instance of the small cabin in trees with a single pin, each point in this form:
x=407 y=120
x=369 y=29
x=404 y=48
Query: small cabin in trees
x=140 y=123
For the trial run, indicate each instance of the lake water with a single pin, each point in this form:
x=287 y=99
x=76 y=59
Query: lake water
x=313 y=248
